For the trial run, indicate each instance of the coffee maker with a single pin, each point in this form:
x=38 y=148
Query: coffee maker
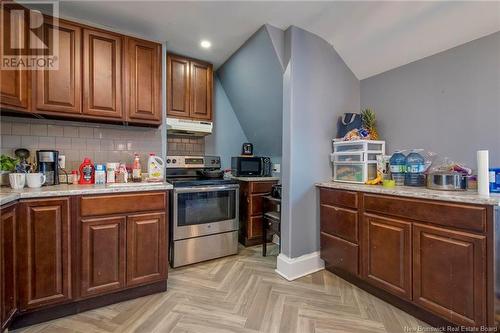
x=48 y=164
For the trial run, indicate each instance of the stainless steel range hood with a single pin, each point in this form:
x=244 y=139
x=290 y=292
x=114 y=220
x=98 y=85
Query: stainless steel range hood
x=188 y=127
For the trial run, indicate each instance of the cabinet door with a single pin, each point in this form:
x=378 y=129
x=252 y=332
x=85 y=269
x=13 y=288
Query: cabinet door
x=449 y=270
x=102 y=74
x=146 y=248
x=177 y=87
x=144 y=81
x=386 y=254
x=8 y=295
x=200 y=91
x=14 y=84
x=60 y=90
x=44 y=253
x=102 y=255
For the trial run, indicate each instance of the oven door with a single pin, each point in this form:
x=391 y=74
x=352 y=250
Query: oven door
x=250 y=166
x=199 y=211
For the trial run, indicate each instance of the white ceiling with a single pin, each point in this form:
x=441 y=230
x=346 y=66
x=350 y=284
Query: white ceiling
x=371 y=36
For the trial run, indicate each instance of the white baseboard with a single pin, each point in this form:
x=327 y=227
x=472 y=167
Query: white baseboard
x=294 y=268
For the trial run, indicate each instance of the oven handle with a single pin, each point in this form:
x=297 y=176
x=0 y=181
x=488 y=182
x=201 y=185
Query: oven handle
x=206 y=188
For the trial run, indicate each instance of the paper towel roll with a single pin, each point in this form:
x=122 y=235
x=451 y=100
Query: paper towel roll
x=483 y=182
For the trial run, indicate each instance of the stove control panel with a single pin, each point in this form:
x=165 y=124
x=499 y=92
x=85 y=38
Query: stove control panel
x=188 y=162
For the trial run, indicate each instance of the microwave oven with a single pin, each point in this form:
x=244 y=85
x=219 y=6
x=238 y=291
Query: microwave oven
x=254 y=166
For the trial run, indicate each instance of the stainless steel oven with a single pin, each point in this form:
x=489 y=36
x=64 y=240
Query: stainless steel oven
x=205 y=222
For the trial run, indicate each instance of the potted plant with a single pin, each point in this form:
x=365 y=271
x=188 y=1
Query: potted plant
x=7 y=165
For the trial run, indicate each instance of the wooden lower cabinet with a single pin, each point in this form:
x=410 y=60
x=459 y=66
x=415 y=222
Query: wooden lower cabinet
x=146 y=248
x=8 y=279
x=386 y=257
x=44 y=253
x=449 y=273
x=102 y=255
x=251 y=214
x=414 y=250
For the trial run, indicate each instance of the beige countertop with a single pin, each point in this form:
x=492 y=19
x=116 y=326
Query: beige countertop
x=418 y=192
x=7 y=194
x=255 y=179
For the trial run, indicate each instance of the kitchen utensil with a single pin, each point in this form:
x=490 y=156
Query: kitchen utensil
x=17 y=180
x=446 y=181
x=35 y=180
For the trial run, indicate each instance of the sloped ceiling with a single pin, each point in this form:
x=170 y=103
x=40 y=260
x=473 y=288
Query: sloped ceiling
x=253 y=81
x=370 y=36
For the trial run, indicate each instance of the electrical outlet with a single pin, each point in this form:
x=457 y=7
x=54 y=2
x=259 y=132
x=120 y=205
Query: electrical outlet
x=277 y=168
x=62 y=161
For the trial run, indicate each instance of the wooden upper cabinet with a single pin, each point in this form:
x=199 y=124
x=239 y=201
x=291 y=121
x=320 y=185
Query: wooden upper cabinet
x=201 y=91
x=44 y=253
x=8 y=259
x=146 y=248
x=386 y=258
x=59 y=90
x=102 y=74
x=143 y=63
x=189 y=87
x=178 y=86
x=14 y=84
x=102 y=255
x=449 y=274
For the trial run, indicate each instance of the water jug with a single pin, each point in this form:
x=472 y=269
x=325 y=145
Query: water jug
x=415 y=167
x=397 y=165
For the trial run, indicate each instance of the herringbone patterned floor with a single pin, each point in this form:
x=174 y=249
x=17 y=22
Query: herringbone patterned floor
x=243 y=294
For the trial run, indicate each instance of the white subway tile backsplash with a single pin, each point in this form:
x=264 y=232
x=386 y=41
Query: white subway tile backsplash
x=39 y=129
x=86 y=132
x=46 y=142
x=5 y=127
x=70 y=131
x=21 y=129
x=102 y=143
x=55 y=130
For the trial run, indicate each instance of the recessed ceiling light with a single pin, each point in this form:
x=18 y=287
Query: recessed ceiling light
x=205 y=44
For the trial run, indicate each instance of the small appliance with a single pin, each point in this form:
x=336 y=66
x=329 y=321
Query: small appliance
x=255 y=166
x=48 y=164
x=247 y=149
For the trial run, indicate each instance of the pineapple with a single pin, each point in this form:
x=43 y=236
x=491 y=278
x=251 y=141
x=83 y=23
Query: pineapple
x=368 y=118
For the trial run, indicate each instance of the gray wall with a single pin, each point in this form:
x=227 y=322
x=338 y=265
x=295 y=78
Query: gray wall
x=227 y=135
x=253 y=81
x=318 y=88
x=448 y=103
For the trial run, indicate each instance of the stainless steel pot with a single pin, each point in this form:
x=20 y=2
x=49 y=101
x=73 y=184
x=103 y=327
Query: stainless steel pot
x=446 y=181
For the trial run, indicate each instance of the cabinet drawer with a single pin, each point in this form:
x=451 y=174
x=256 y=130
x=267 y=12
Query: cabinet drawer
x=122 y=203
x=254 y=227
x=338 y=198
x=339 y=222
x=261 y=187
x=447 y=214
x=339 y=253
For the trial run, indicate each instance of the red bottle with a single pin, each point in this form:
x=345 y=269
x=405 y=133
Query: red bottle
x=86 y=172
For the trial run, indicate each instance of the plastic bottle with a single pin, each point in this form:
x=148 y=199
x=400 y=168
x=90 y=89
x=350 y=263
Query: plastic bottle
x=86 y=172
x=415 y=167
x=397 y=165
x=156 y=167
x=136 y=170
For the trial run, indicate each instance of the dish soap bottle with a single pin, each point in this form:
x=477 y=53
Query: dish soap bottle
x=156 y=166
x=415 y=167
x=136 y=170
x=86 y=172
x=397 y=165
